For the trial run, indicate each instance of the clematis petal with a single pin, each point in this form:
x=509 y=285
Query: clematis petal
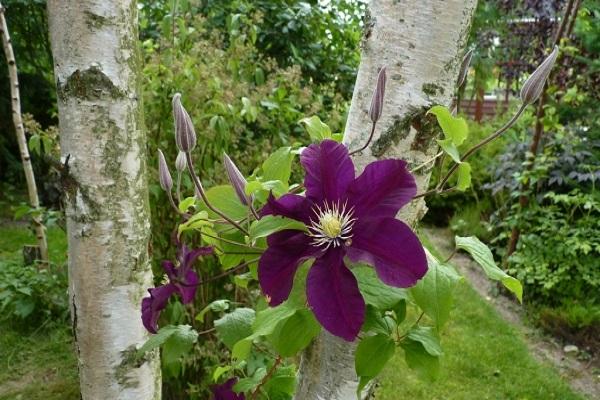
x=278 y=264
x=329 y=171
x=153 y=305
x=333 y=295
x=187 y=287
x=382 y=189
x=170 y=269
x=392 y=248
x=225 y=391
x=190 y=256
x=290 y=206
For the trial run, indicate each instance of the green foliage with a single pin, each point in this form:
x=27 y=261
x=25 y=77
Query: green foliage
x=434 y=293
x=294 y=333
x=485 y=357
x=240 y=101
x=558 y=249
x=372 y=353
x=234 y=326
x=270 y=224
x=484 y=257
x=30 y=294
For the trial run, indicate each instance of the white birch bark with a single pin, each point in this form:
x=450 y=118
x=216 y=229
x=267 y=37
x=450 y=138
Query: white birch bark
x=421 y=42
x=34 y=201
x=97 y=63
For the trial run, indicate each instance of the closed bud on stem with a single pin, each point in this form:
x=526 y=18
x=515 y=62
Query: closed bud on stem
x=464 y=68
x=185 y=136
x=377 y=99
x=164 y=176
x=180 y=162
x=533 y=87
x=237 y=179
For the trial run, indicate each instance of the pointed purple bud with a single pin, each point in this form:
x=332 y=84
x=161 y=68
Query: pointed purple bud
x=164 y=176
x=377 y=99
x=180 y=162
x=237 y=179
x=533 y=87
x=185 y=136
x=464 y=68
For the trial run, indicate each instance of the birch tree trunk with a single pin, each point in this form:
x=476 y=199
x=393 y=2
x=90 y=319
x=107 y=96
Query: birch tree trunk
x=34 y=201
x=421 y=42
x=97 y=66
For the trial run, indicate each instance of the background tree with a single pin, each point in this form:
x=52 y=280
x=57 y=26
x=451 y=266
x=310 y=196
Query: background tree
x=421 y=43
x=97 y=68
x=17 y=118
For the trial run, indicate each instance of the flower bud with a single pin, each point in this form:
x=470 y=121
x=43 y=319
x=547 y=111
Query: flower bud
x=164 y=176
x=533 y=87
x=464 y=68
x=237 y=179
x=185 y=136
x=180 y=162
x=377 y=99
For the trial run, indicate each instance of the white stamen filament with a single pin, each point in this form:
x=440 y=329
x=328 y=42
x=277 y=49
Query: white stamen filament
x=333 y=225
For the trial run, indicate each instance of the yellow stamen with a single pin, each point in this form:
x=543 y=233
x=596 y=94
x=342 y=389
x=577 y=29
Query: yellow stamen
x=331 y=225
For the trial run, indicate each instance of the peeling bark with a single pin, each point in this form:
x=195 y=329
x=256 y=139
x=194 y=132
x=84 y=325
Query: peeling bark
x=97 y=67
x=421 y=42
x=34 y=201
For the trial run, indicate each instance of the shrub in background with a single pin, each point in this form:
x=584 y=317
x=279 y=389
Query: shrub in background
x=240 y=101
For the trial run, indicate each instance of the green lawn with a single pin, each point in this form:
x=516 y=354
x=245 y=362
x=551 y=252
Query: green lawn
x=36 y=363
x=485 y=357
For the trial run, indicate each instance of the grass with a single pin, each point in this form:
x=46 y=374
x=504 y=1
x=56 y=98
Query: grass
x=485 y=357
x=38 y=366
x=36 y=362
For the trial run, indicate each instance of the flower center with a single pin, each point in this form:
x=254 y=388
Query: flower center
x=332 y=225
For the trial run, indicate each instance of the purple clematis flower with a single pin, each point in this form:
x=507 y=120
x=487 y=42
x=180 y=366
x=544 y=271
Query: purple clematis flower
x=182 y=281
x=225 y=391
x=345 y=216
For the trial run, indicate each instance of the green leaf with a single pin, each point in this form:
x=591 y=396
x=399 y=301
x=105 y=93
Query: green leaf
x=376 y=322
x=426 y=365
x=248 y=384
x=220 y=370
x=400 y=310
x=483 y=256
x=265 y=323
x=216 y=306
x=282 y=384
x=450 y=149
x=375 y=292
x=295 y=333
x=316 y=129
x=233 y=327
x=268 y=319
x=338 y=137
x=34 y=144
x=433 y=293
x=178 y=344
x=454 y=128
x=270 y=224
x=224 y=198
x=196 y=221
x=278 y=167
x=185 y=332
x=464 y=176
x=186 y=204
x=261 y=189
x=428 y=338
x=372 y=353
